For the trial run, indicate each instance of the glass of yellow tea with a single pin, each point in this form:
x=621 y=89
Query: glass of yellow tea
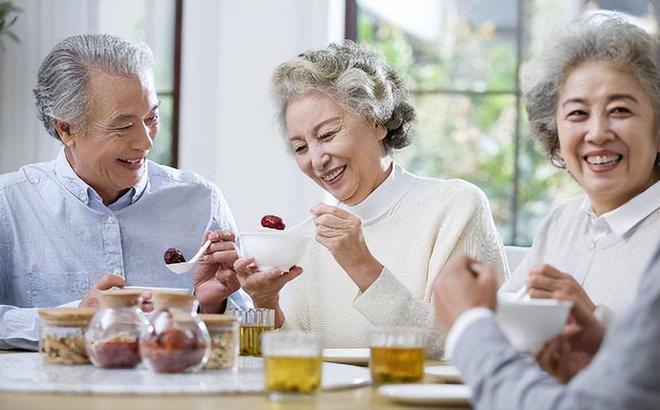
x=292 y=364
x=397 y=354
x=254 y=323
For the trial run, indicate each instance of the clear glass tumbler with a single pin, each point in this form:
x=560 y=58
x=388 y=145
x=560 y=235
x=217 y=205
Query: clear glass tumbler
x=292 y=364
x=397 y=354
x=254 y=323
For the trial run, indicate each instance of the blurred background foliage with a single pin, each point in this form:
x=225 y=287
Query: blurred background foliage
x=461 y=60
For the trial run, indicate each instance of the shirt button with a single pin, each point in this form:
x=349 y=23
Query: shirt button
x=110 y=219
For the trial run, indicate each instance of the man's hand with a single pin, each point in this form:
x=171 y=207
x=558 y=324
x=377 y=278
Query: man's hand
x=107 y=281
x=546 y=282
x=463 y=284
x=571 y=351
x=215 y=278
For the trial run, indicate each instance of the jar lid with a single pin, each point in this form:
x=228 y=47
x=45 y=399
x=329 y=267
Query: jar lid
x=67 y=317
x=118 y=298
x=174 y=299
x=213 y=320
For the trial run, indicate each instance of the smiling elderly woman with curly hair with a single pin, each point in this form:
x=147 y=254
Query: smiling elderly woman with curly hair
x=388 y=232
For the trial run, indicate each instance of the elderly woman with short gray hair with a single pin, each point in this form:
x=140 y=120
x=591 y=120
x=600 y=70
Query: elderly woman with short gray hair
x=101 y=214
x=387 y=233
x=593 y=102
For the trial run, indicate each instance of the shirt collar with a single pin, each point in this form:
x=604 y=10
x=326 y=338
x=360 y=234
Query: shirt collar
x=68 y=177
x=74 y=184
x=625 y=217
x=380 y=201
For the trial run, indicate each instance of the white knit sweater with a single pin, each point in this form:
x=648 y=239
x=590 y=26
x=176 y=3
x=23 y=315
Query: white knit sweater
x=412 y=225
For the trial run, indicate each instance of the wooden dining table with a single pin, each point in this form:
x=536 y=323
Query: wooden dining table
x=358 y=398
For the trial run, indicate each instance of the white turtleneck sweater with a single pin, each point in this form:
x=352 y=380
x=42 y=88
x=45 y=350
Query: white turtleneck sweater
x=412 y=225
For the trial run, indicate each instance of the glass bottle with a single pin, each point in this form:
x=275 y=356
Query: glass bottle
x=224 y=334
x=176 y=339
x=62 y=338
x=114 y=333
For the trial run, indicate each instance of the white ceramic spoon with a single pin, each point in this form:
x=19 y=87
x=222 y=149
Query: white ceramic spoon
x=185 y=267
x=301 y=223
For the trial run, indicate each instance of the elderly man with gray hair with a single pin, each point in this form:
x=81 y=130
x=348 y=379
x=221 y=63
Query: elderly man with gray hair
x=101 y=214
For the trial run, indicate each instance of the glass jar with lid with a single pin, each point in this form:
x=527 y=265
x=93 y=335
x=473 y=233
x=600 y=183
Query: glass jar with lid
x=113 y=335
x=176 y=340
x=62 y=338
x=225 y=336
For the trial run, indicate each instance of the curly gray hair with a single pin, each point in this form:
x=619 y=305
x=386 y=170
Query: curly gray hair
x=358 y=79
x=602 y=36
x=62 y=80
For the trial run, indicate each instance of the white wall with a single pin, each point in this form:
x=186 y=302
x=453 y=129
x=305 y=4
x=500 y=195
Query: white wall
x=42 y=25
x=228 y=131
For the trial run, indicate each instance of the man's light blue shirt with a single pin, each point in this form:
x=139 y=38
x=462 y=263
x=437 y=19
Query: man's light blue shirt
x=57 y=238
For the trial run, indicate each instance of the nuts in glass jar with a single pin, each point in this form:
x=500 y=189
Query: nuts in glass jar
x=223 y=348
x=224 y=333
x=64 y=350
x=62 y=339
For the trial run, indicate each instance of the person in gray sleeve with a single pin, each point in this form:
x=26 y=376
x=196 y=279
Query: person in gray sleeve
x=624 y=367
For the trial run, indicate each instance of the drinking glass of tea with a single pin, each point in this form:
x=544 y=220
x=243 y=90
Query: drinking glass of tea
x=254 y=323
x=292 y=364
x=397 y=354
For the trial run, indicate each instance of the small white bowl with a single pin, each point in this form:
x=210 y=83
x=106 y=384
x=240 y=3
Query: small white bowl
x=273 y=249
x=528 y=324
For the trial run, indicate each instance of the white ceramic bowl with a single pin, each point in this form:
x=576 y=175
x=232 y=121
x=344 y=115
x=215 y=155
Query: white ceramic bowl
x=530 y=323
x=273 y=249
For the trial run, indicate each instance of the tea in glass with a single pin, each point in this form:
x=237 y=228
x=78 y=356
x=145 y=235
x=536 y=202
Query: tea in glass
x=292 y=364
x=254 y=323
x=397 y=355
x=251 y=339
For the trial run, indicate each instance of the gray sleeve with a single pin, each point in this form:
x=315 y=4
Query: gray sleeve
x=625 y=374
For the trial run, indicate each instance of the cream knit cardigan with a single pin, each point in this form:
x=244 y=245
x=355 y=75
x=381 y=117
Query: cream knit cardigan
x=432 y=221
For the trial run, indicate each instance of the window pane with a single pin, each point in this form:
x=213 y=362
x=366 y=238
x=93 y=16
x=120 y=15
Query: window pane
x=541 y=186
x=456 y=48
x=153 y=22
x=162 y=149
x=561 y=12
x=469 y=137
x=443 y=44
